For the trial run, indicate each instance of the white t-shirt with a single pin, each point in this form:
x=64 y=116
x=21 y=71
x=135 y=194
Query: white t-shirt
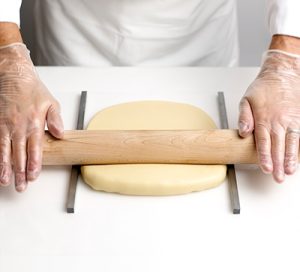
x=284 y=17
x=143 y=32
x=136 y=32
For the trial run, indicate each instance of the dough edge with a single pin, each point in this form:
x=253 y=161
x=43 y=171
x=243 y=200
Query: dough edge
x=194 y=179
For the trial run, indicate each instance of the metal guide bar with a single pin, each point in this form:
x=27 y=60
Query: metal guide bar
x=233 y=189
x=75 y=171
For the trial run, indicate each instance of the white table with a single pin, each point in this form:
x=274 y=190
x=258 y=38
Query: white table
x=109 y=232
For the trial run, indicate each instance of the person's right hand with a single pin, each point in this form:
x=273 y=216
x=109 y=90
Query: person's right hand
x=25 y=107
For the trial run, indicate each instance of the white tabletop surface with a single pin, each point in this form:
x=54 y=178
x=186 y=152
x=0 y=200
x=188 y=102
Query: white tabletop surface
x=110 y=232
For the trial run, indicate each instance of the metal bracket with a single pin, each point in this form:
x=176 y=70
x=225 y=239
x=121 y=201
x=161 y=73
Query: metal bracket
x=75 y=171
x=233 y=189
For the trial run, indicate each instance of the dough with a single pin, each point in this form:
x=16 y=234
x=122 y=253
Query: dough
x=152 y=179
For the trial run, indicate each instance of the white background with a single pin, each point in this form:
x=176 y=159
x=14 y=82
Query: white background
x=113 y=233
x=254 y=37
x=253 y=31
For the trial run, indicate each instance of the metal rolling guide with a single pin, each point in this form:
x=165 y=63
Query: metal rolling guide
x=233 y=189
x=75 y=171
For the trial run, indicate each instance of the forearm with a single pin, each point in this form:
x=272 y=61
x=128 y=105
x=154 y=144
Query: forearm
x=9 y=33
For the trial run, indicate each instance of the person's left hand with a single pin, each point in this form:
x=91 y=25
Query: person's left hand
x=271 y=109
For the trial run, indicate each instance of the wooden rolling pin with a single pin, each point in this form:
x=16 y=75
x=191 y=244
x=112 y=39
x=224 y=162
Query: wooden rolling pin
x=81 y=147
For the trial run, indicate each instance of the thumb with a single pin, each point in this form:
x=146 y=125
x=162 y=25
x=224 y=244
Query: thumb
x=246 y=122
x=54 y=122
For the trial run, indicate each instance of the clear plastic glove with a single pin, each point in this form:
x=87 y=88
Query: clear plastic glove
x=271 y=107
x=25 y=106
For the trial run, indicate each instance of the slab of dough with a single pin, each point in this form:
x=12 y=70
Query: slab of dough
x=152 y=179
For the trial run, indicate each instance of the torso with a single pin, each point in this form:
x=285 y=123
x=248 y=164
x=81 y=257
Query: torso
x=136 y=32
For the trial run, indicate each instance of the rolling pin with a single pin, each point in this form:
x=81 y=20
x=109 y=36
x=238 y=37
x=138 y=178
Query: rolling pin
x=82 y=147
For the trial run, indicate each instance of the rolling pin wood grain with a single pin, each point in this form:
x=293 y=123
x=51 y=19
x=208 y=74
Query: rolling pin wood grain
x=82 y=147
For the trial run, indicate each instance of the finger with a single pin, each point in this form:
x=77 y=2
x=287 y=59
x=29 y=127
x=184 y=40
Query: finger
x=34 y=155
x=246 y=122
x=54 y=122
x=5 y=159
x=263 y=147
x=278 y=151
x=291 y=152
x=19 y=160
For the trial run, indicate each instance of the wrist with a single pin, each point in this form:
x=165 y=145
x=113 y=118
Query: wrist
x=286 y=43
x=9 y=33
x=280 y=64
x=12 y=55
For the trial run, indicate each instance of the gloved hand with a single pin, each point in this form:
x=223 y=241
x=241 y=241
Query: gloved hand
x=271 y=107
x=25 y=106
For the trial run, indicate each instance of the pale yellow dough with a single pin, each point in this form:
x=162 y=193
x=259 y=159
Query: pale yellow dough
x=152 y=179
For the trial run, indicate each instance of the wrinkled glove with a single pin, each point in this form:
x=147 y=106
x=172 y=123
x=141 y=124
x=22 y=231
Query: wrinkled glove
x=271 y=107
x=25 y=106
